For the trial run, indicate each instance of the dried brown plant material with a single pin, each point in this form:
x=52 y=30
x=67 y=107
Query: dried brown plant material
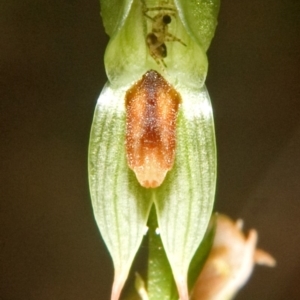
x=230 y=262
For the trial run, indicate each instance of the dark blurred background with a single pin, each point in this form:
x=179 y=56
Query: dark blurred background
x=51 y=73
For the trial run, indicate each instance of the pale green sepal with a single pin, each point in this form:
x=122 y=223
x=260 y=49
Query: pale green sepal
x=199 y=18
x=185 y=200
x=121 y=206
x=114 y=13
x=127 y=55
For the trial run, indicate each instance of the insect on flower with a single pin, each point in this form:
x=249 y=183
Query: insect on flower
x=151 y=113
x=159 y=35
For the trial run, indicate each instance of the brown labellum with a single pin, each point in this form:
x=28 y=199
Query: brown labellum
x=151 y=112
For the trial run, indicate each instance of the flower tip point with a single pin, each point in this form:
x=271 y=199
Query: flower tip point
x=182 y=288
x=117 y=287
x=116 y=292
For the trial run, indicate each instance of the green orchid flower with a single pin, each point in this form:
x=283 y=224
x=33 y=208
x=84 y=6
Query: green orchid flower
x=152 y=139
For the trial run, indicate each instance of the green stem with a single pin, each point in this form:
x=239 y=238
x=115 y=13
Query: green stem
x=160 y=282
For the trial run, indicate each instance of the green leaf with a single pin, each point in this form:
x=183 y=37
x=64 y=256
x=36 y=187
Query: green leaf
x=121 y=206
x=199 y=17
x=185 y=200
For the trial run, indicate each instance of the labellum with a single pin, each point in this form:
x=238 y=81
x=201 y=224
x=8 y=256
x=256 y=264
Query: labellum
x=151 y=112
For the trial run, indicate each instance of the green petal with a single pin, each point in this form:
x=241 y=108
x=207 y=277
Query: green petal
x=185 y=200
x=121 y=206
x=199 y=18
